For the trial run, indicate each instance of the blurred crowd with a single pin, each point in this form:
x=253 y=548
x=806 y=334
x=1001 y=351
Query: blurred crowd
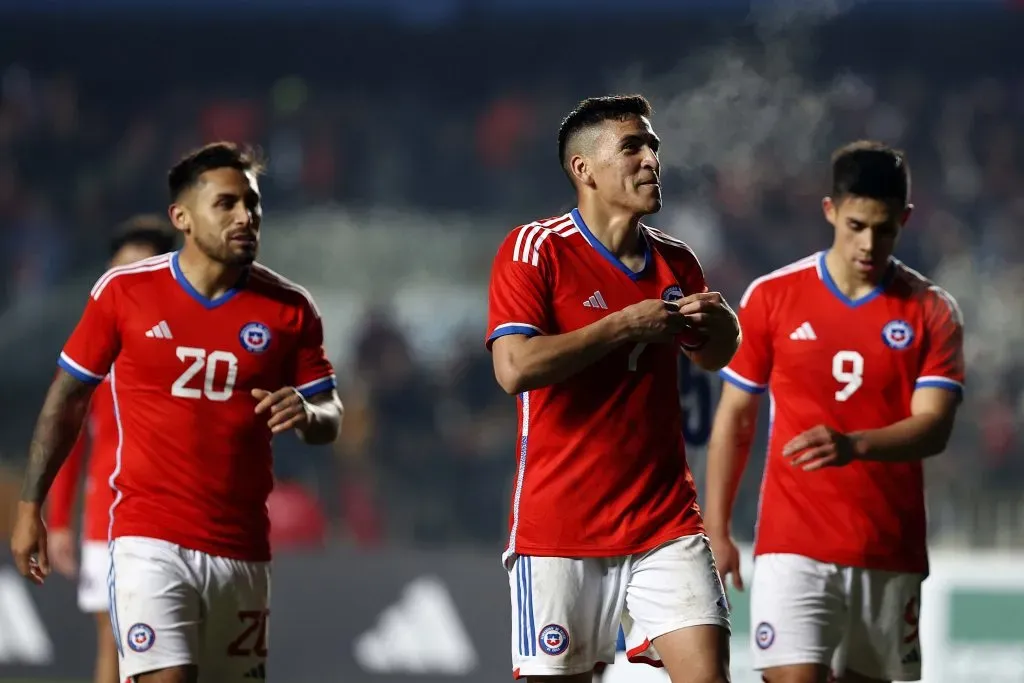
x=428 y=450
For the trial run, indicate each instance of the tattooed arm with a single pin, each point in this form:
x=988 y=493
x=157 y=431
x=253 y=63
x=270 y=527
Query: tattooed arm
x=55 y=434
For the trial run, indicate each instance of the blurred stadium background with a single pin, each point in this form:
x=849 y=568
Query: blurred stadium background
x=405 y=138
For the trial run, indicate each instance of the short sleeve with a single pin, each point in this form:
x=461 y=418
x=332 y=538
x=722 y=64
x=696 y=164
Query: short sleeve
x=96 y=340
x=751 y=367
x=314 y=374
x=519 y=300
x=943 y=365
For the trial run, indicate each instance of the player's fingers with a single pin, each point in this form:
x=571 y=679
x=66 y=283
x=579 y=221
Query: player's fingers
x=44 y=557
x=737 y=579
x=812 y=455
x=828 y=461
x=282 y=416
x=799 y=443
x=263 y=398
x=288 y=424
x=289 y=402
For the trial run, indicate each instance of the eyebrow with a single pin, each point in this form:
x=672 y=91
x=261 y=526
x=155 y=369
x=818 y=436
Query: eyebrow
x=650 y=138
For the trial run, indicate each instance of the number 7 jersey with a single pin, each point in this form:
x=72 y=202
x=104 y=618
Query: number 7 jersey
x=193 y=462
x=601 y=462
x=852 y=365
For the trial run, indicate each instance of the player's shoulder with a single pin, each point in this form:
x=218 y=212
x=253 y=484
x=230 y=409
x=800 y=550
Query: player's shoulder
x=131 y=274
x=532 y=242
x=671 y=248
x=781 y=279
x=280 y=288
x=926 y=292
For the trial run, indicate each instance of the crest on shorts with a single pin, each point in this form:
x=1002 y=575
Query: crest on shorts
x=897 y=334
x=255 y=337
x=764 y=635
x=672 y=293
x=553 y=639
x=141 y=637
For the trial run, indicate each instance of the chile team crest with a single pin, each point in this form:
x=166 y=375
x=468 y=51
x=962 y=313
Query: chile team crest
x=553 y=640
x=673 y=293
x=897 y=334
x=255 y=337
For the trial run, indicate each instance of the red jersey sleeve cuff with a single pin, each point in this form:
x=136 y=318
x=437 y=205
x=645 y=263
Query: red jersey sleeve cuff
x=77 y=370
x=317 y=386
x=936 y=382
x=738 y=380
x=513 y=328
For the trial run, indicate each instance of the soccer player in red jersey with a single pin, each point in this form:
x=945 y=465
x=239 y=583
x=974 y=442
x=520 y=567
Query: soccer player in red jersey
x=209 y=355
x=141 y=237
x=863 y=361
x=588 y=313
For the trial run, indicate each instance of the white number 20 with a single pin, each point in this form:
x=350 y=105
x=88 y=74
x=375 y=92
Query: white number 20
x=200 y=359
x=848 y=368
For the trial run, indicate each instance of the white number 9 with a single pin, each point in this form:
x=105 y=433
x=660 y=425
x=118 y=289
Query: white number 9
x=848 y=368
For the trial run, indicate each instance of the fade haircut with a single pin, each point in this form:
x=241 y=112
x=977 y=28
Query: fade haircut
x=185 y=174
x=149 y=230
x=593 y=111
x=870 y=169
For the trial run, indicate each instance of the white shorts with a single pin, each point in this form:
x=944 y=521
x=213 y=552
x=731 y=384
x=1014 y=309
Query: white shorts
x=93 y=569
x=809 y=612
x=171 y=606
x=566 y=611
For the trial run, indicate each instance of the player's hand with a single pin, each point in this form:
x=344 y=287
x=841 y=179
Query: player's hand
x=286 y=407
x=653 y=321
x=727 y=559
x=819 y=447
x=28 y=543
x=61 y=546
x=709 y=314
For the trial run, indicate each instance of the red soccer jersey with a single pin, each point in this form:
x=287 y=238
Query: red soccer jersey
x=601 y=460
x=193 y=465
x=98 y=438
x=852 y=365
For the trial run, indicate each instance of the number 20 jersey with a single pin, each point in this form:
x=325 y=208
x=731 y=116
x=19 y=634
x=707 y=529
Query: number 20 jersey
x=193 y=462
x=601 y=462
x=852 y=365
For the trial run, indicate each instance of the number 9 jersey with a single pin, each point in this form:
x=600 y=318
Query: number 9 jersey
x=601 y=461
x=852 y=365
x=193 y=463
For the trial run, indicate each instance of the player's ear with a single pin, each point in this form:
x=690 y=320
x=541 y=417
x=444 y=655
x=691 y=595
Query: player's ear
x=828 y=207
x=906 y=214
x=581 y=170
x=179 y=216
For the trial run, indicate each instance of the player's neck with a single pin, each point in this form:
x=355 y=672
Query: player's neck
x=617 y=231
x=851 y=283
x=208 y=277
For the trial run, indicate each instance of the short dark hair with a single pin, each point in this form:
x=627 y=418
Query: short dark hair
x=595 y=110
x=870 y=169
x=150 y=230
x=185 y=174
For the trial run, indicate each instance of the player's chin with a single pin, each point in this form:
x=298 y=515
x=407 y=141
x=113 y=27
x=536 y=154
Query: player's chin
x=242 y=255
x=650 y=205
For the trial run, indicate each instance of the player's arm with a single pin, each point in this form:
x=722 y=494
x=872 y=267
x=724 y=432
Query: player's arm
x=325 y=416
x=732 y=434
x=65 y=486
x=87 y=357
x=56 y=432
x=311 y=405
x=745 y=379
x=924 y=434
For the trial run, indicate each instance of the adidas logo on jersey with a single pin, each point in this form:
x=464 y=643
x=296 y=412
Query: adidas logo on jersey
x=595 y=301
x=160 y=331
x=804 y=333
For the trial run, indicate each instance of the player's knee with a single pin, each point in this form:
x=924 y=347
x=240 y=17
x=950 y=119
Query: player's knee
x=174 y=674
